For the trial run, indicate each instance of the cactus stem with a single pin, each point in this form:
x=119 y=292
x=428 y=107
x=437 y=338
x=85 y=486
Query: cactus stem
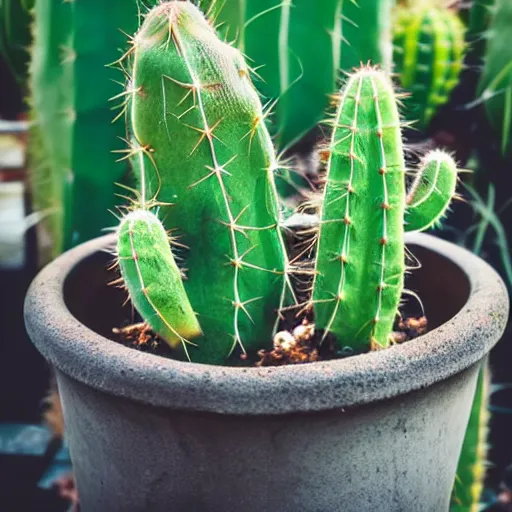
x=346 y=236
x=207 y=133
x=386 y=207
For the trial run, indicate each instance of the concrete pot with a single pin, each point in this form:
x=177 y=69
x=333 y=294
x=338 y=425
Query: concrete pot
x=380 y=431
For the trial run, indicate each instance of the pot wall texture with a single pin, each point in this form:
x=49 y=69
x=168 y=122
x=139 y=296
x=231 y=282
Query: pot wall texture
x=399 y=455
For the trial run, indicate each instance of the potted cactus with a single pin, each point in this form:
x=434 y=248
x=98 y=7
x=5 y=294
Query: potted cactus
x=205 y=429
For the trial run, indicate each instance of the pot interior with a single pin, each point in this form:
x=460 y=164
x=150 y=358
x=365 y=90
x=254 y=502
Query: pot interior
x=443 y=287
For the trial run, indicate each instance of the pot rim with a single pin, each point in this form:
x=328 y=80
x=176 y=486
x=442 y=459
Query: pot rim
x=103 y=364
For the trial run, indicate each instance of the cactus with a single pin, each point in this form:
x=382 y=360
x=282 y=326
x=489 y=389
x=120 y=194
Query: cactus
x=495 y=87
x=51 y=78
x=203 y=156
x=428 y=57
x=480 y=16
x=200 y=148
x=469 y=480
x=73 y=168
x=153 y=278
x=359 y=268
x=15 y=35
x=299 y=50
x=431 y=192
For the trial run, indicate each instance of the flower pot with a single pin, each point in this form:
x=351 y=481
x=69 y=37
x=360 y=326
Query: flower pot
x=379 y=431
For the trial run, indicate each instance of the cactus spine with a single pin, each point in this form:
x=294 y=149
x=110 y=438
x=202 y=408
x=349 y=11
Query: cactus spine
x=495 y=86
x=359 y=268
x=428 y=57
x=74 y=168
x=201 y=149
x=300 y=49
x=153 y=279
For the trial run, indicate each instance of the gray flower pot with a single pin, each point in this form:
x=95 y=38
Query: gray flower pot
x=380 y=431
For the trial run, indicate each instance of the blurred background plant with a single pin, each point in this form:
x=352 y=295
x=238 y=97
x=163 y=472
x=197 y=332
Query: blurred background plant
x=453 y=58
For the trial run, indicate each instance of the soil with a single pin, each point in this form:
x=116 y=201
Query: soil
x=301 y=344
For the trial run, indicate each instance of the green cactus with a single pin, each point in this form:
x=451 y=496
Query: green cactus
x=201 y=149
x=428 y=57
x=74 y=170
x=51 y=77
x=153 y=279
x=480 y=16
x=469 y=480
x=359 y=268
x=495 y=87
x=15 y=37
x=299 y=50
x=431 y=192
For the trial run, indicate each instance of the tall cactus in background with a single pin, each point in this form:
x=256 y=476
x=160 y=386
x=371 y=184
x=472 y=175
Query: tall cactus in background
x=469 y=480
x=51 y=100
x=15 y=35
x=74 y=169
x=202 y=153
x=428 y=57
x=495 y=87
x=480 y=16
x=299 y=50
x=360 y=267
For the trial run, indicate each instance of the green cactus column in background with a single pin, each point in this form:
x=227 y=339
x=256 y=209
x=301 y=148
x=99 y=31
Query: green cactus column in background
x=428 y=56
x=74 y=168
x=360 y=265
x=51 y=84
x=201 y=148
x=300 y=49
x=469 y=479
x=15 y=35
x=495 y=87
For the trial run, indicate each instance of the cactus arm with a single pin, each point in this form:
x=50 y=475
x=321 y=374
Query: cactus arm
x=360 y=260
x=153 y=279
x=194 y=90
x=495 y=87
x=469 y=480
x=431 y=191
